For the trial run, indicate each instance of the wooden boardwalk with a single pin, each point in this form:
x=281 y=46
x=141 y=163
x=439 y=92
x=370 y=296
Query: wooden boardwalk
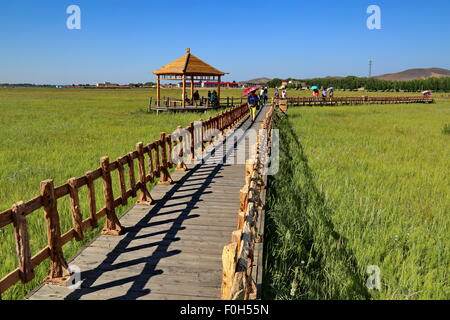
x=172 y=249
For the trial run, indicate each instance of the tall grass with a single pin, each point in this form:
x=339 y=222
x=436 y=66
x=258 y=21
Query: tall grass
x=360 y=186
x=62 y=133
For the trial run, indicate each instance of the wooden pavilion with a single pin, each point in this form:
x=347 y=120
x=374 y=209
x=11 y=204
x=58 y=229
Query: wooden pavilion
x=187 y=68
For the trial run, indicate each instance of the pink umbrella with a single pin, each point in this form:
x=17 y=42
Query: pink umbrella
x=249 y=90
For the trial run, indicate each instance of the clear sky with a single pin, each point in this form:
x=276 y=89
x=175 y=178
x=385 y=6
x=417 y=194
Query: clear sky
x=123 y=41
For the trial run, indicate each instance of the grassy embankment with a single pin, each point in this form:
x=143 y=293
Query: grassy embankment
x=359 y=186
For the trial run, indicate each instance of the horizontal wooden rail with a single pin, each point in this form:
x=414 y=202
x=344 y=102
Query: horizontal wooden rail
x=153 y=162
x=203 y=102
x=332 y=101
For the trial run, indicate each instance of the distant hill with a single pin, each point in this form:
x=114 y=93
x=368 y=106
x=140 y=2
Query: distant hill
x=415 y=74
x=256 y=81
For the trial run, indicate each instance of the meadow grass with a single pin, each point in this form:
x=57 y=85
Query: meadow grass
x=62 y=133
x=360 y=186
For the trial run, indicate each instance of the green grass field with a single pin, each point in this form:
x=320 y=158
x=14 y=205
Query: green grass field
x=62 y=133
x=360 y=186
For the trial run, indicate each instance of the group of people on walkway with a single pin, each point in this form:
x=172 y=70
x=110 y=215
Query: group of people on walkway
x=325 y=92
x=212 y=98
x=255 y=102
x=276 y=95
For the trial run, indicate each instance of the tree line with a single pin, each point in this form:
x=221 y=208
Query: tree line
x=369 y=84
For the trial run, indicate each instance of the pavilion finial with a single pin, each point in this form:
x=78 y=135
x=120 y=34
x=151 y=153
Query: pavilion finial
x=188 y=50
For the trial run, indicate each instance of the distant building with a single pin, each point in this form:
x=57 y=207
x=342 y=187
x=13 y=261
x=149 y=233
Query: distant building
x=208 y=84
x=188 y=84
x=110 y=85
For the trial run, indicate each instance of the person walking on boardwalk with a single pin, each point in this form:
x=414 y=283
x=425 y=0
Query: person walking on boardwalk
x=276 y=95
x=283 y=94
x=252 y=101
x=196 y=98
x=266 y=95
x=261 y=98
x=324 y=93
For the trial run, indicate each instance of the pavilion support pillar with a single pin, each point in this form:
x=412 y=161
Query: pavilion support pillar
x=192 y=88
x=219 y=84
x=158 y=90
x=183 y=94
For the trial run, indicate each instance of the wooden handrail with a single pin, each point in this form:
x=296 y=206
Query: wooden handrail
x=158 y=156
x=238 y=257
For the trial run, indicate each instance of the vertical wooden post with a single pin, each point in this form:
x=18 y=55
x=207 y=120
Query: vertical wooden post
x=112 y=225
x=164 y=177
x=58 y=271
x=123 y=189
x=192 y=89
x=144 y=197
x=181 y=166
x=131 y=173
x=22 y=243
x=229 y=256
x=218 y=89
x=191 y=129
x=91 y=199
x=77 y=218
x=158 y=90
x=183 y=94
x=151 y=167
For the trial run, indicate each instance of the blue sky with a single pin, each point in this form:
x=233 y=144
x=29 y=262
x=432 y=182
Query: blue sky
x=123 y=41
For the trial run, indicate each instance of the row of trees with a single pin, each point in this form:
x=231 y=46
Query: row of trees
x=370 y=84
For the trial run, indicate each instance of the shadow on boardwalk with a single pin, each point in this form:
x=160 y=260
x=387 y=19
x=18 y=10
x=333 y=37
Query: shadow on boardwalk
x=189 y=193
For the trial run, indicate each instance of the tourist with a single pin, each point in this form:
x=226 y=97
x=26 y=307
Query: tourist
x=214 y=97
x=261 y=98
x=209 y=95
x=252 y=102
x=283 y=94
x=316 y=93
x=196 y=98
x=266 y=95
x=331 y=92
x=276 y=95
x=324 y=93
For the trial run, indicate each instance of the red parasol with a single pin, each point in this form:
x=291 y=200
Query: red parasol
x=249 y=90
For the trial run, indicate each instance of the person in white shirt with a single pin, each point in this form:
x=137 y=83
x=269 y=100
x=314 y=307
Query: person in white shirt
x=283 y=94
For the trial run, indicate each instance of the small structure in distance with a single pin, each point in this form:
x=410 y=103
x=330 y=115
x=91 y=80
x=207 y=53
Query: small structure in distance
x=187 y=68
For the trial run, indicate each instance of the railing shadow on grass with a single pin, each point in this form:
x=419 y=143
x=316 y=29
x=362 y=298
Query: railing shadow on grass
x=305 y=257
x=139 y=281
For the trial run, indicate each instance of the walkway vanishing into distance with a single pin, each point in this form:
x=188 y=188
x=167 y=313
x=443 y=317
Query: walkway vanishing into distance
x=172 y=249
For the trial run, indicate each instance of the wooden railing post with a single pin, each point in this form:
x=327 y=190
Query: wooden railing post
x=77 y=218
x=123 y=189
x=229 y=256
x=181 y=166
x=22 y=243
x=144 y=197
x=91 y=199
x=165 y=177
x=58 y=271
x=191 y=130
x=112 y=225
x=131 y=174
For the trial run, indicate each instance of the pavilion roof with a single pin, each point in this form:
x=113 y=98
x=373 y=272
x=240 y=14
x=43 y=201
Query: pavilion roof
x=189 y=64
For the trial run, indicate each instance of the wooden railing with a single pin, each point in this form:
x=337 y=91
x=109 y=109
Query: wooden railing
x=153 y=162
x=308 y=101
x=203 y=102
x=242 y=259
